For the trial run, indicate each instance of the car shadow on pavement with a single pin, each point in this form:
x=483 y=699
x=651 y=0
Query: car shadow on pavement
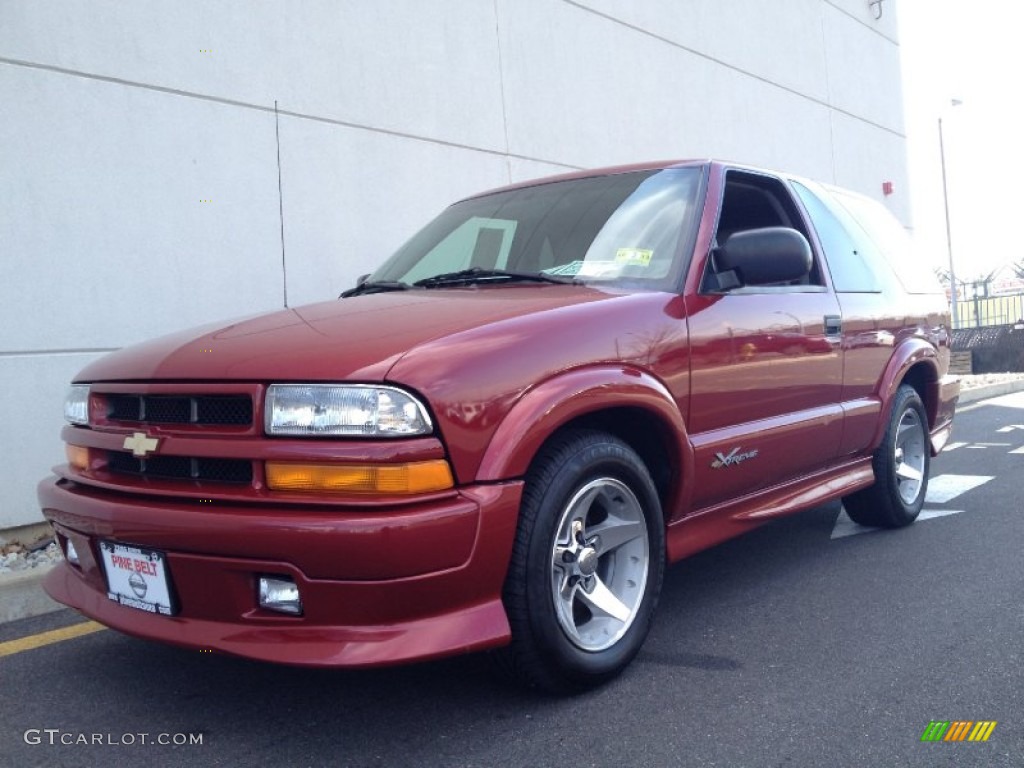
x=252 y=706
x=711 y=604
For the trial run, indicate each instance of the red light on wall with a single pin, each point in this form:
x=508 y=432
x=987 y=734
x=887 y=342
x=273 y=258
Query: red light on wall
x=887 y=188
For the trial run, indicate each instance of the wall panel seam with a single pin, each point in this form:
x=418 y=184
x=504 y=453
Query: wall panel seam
x=863 y=23
x=285 y=112
x=732 y=67
x=52 y=352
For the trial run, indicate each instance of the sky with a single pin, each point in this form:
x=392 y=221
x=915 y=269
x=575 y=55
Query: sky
x=972 y=51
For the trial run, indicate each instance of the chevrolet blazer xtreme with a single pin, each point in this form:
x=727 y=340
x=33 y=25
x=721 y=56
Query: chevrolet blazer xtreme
x=499 y=438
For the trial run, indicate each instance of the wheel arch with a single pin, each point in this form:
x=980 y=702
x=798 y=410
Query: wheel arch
x=915 y=363
x=924 y=378
x=630 y=404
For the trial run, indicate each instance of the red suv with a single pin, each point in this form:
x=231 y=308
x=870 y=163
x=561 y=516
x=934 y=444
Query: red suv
x=499 y=438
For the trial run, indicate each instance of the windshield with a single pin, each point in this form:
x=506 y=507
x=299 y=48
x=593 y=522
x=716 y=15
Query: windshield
x=622 y=229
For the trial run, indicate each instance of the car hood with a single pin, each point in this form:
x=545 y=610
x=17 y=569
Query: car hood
x=356 y=339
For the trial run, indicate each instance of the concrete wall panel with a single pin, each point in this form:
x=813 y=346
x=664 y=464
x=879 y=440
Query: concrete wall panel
x=34 y=387
x=430 y=69
x=338 y=179
x=879 y=18
x=104 y=223
x=863 y=71
x=779 y=41
x=634 y=97
x=866 y=157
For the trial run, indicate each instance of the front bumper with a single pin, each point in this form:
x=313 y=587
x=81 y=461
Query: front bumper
x=378 y=586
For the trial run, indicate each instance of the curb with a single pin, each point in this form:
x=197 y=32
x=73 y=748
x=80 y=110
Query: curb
x=990 y=390
x=22 y=595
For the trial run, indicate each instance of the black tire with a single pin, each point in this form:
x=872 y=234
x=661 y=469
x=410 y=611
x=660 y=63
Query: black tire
x=590 y=527
x=896 y=498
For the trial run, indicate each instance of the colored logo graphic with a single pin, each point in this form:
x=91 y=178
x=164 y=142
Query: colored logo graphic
x=958 y=730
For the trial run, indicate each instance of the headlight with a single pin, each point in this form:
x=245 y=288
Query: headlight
x=355 y=409
x=76 y=404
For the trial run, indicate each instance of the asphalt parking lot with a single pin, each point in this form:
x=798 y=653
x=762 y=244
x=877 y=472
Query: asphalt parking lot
x=809 y=642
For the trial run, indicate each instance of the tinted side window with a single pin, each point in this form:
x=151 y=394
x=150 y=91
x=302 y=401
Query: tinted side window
x=851 y=258
x=912 y=270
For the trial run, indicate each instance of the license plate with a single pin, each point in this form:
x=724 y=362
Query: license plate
x=137 y=577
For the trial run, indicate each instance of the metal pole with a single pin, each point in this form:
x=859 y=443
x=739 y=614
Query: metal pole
x=949 y=238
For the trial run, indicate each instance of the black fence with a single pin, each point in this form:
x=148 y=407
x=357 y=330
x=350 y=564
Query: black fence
x=993 y=349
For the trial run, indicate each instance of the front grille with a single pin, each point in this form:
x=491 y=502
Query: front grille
x=182 y=468
x=180 y=409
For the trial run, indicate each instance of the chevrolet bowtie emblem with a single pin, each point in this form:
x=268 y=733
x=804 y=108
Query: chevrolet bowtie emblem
x=140 y=445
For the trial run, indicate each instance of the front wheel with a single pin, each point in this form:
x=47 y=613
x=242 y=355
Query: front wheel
x=901 y=465
x=587 y=564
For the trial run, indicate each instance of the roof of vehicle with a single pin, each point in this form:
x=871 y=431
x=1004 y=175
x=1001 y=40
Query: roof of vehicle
x=592 y=172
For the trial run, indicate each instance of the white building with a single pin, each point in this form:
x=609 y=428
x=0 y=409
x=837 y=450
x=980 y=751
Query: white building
x=168 y=164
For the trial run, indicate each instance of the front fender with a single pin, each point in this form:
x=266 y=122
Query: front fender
x=559 y=400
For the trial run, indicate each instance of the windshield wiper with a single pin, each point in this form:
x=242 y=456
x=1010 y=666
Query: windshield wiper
x=376 y=286
x=480 y=275
x=461 y=277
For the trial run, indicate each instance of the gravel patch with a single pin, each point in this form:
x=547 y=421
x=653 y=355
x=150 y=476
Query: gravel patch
x=14 y=557
x=984 y=379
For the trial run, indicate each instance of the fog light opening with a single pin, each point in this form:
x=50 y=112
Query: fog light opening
x=281 y=594
x=70 y=553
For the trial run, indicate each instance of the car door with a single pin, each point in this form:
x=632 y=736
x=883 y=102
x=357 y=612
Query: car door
x=873 y=321
x=765 y=361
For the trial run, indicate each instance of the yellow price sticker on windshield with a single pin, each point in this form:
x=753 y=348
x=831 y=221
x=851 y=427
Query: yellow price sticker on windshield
x=638 y=256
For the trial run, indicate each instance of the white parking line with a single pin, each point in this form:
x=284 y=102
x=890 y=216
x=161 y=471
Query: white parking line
x=947 y=487
x=928 y=514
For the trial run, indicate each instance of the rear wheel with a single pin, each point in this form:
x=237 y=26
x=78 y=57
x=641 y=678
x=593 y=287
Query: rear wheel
x=901 y=465
x=587 y=564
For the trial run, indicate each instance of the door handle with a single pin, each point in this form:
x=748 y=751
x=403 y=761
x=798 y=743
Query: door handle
x=833 y=325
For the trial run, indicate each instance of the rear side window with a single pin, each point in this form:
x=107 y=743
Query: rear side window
x=892 y=240
x=853 y=259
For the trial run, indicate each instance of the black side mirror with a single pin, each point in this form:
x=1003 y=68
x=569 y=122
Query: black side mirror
x=764 y=256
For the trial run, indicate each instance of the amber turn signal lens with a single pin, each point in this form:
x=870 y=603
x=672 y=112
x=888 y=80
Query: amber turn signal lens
x=417 y=477
x=78 y=457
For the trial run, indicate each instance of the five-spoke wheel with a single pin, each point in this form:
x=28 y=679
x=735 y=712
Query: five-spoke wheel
x=901 y=465
x=599 y=563
x=587 y=563
x=910 y=456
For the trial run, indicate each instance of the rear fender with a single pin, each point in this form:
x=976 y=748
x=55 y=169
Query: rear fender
x=906 y=356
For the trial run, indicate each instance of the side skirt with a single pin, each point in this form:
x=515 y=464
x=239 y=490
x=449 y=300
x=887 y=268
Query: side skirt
x=707 y=527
